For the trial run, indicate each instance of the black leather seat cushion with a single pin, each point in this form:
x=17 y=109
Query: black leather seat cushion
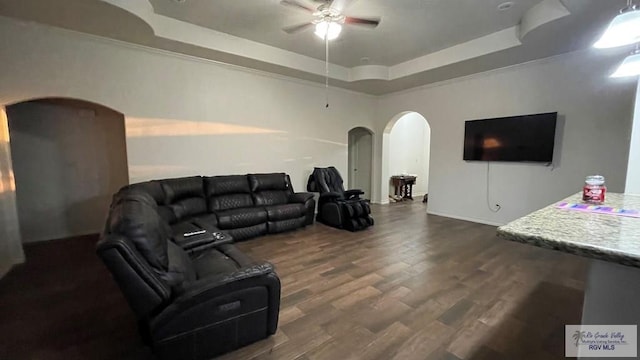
x=224 y=259
x=238 y=218
x=285 y=212
x=213 y=262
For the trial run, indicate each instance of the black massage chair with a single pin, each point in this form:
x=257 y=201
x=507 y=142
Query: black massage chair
x=337 y=207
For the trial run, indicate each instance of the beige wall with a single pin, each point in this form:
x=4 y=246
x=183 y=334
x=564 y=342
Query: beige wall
x=595 y=122
x=184 y=115
x=69 y=157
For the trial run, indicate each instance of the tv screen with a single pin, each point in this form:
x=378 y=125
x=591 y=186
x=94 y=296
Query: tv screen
x=515 y=138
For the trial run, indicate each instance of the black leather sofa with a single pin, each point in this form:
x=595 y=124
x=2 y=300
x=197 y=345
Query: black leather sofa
x=242 y=206
x=188 y=305
x=196 y=297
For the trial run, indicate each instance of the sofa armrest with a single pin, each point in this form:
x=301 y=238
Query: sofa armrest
x=331 y=194
x=202 y=240
x=301 y=197
x=353 y=193
x=199 y=294
x=212 y=286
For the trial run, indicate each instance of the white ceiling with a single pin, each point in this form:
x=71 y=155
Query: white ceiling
x=409 y=28
x=418 y=41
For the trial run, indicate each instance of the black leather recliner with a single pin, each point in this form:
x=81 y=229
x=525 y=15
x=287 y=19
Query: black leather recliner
x=337 y=207
x=189 y=305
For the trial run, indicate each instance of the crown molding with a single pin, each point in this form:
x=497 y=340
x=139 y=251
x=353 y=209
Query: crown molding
x=176 y=30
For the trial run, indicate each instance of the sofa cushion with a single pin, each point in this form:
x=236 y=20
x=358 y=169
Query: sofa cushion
x=213 y=262
x=248 y=232
x=228 y=184
x=135 y=217
x=228 y=202
x=237 y=218
x=227 y=192
x=152 y=188
x=285 y=212
x=184 y=197
x=270 y=189
x=182 y=188
x=180 y=268
x=271 y=197
x=285 y=225
x=207 y=221
x=273 y=181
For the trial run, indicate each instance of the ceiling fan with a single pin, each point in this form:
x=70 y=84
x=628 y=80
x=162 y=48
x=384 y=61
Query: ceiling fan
x=328 y=18
x=328 y=21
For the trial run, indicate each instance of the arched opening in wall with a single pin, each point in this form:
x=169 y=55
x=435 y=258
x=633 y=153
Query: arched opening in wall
x=69 y=157
x=406 y=145
x=360 y=159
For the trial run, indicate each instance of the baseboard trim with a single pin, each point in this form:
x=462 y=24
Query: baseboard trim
x=479 y=221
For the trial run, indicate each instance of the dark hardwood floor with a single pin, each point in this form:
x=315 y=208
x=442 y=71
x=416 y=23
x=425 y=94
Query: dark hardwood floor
x=414 y=286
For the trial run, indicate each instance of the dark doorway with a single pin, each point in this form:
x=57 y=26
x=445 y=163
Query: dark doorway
x=69 y=157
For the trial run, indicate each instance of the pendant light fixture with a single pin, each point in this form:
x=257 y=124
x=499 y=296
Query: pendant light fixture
x=630 y=66
x=624 y=29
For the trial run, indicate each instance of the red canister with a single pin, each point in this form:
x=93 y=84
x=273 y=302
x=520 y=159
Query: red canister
x=594 y=189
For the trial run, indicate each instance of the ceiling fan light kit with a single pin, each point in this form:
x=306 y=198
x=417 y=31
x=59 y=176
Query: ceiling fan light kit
x=629 y=67
x=624 y=29
x=329 y=29
x=328 y=25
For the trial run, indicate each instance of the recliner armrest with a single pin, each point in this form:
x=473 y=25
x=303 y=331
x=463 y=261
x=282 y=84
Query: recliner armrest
x=202 y=241
x=300 y=197
x=353 y=193
x=208 y=289
x=331 y=194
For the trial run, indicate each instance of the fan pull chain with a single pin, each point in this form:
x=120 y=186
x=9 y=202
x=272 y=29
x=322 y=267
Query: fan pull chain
x=326 y=66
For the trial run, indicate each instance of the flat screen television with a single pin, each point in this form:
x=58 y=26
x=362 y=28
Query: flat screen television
x=525 y=138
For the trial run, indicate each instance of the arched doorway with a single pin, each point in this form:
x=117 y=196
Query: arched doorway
x=406 y=147
x=360 y=159
x=68 y=158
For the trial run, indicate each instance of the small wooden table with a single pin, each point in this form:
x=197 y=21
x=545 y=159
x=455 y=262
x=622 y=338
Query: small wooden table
x=403 y=186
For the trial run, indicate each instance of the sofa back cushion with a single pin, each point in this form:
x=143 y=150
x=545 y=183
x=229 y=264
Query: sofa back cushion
x=228 y=192
x=270 y=189
x=154 y=189
x=135 y=217
x=184 y=197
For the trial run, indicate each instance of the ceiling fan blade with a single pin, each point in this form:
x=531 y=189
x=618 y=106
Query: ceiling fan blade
x=370 y=22
x=341 y=5
x=297 y=5
x=297 y=28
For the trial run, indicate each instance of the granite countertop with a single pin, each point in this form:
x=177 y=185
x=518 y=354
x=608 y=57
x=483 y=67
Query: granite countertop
x=599 y=236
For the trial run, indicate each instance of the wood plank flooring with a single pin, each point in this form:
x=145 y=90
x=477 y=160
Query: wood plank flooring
x=414 y=286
